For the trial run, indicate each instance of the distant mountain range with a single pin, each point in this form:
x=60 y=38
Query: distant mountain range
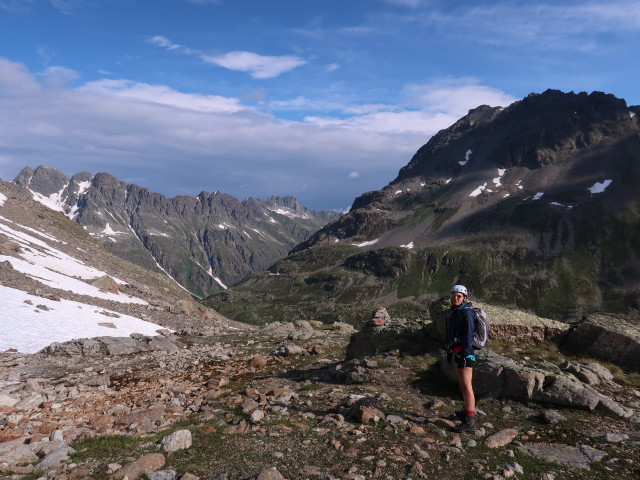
x=205 y=243
x=536 y=205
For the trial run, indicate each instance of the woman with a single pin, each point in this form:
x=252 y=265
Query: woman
x=460 y=330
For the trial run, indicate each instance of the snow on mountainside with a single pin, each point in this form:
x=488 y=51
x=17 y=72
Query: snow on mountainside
x=57 y=285
x=204 y=242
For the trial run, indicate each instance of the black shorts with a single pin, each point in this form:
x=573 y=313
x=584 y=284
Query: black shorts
x=464 y=362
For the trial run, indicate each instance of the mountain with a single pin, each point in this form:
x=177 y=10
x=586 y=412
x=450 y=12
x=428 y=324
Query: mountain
x=205 y=243
x=534 y=206
x=57 y=283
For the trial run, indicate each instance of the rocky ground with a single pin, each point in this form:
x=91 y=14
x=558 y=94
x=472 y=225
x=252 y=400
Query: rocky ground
x=284 y=402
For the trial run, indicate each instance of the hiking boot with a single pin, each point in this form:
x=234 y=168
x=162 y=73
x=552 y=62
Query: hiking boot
x=460 y=414
x=466 y=425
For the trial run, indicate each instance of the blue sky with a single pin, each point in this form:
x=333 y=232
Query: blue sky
x=322 y=100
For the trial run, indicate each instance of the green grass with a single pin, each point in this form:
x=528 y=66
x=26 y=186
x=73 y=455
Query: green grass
x=112 y=447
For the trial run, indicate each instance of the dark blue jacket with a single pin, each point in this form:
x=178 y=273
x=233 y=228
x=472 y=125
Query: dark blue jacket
x=461 y=328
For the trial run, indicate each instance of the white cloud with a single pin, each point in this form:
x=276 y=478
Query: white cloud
x=57 y=76
x=455 y=96
x=259 y=66
x=178 y=143
x=163 y=95
x=174 y=142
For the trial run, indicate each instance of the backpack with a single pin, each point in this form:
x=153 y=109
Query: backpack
x=481 y=333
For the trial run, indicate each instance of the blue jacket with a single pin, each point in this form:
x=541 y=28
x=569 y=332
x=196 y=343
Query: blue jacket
x=461 y=328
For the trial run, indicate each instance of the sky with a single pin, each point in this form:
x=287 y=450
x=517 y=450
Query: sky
x=321 y=100
x=29 y=322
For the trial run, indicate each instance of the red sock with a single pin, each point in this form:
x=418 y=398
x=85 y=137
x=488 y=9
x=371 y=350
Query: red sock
x=469 y=413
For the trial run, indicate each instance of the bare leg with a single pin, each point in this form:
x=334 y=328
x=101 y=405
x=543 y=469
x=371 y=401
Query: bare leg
x=464 y=381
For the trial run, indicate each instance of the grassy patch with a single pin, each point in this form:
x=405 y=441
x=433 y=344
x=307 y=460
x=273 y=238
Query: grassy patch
x=113 y=447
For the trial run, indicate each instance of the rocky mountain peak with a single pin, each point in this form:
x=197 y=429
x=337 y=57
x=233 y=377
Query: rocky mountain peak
x=542 y=129
x=204 y=242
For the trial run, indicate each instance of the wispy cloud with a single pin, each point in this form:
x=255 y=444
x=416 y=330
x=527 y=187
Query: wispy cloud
x=258 y=66
x=561 y=25
x=63 y=6
x=405 y=3
x=16 y=5
x=205 y=2
x=163 y=95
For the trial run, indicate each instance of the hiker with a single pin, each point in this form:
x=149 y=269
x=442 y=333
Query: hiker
x=460 y=331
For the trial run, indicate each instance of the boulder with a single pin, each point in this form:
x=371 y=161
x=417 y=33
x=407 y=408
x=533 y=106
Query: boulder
x=608 y=338
x=145 y=464
x=406 y=336
x=496 y=376
x=566 y=455
x=105 y=283
x=367 y=409
x=505 y=324
x=177 y=440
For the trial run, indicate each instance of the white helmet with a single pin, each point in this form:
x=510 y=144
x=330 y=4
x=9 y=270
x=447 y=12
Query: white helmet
x=459 y=289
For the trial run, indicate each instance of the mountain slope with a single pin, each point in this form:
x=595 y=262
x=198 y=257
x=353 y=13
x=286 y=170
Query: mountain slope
x=57 y=283
x=204 y=242
x=535 y=205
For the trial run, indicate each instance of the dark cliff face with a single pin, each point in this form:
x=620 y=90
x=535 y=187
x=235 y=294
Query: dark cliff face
x=203 y=242
x=534 y=205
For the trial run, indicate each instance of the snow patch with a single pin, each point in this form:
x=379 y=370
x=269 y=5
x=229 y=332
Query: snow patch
x=3 y=199
x=478 y=190
x=289 y=213
x=220 y=282
x=29 y=329
x=538 y=196
x=496 y=180
x=53 y=201
x=366 y=244
x=600 y=187
x=466 y=157
x=408 y=245
x=398 y=192
x=447 y=181
x=562 y=205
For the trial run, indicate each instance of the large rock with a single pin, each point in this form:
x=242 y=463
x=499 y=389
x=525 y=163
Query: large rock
x=403 y=335
x=608 y=338
x=500 y=377
x=566 y=455
x=504 y=324
x=178 y=440
x=106 y=283
x=101 y=346
x=145 y=464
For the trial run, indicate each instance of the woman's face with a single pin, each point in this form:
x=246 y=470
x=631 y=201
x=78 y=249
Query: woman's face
x=456 y=299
